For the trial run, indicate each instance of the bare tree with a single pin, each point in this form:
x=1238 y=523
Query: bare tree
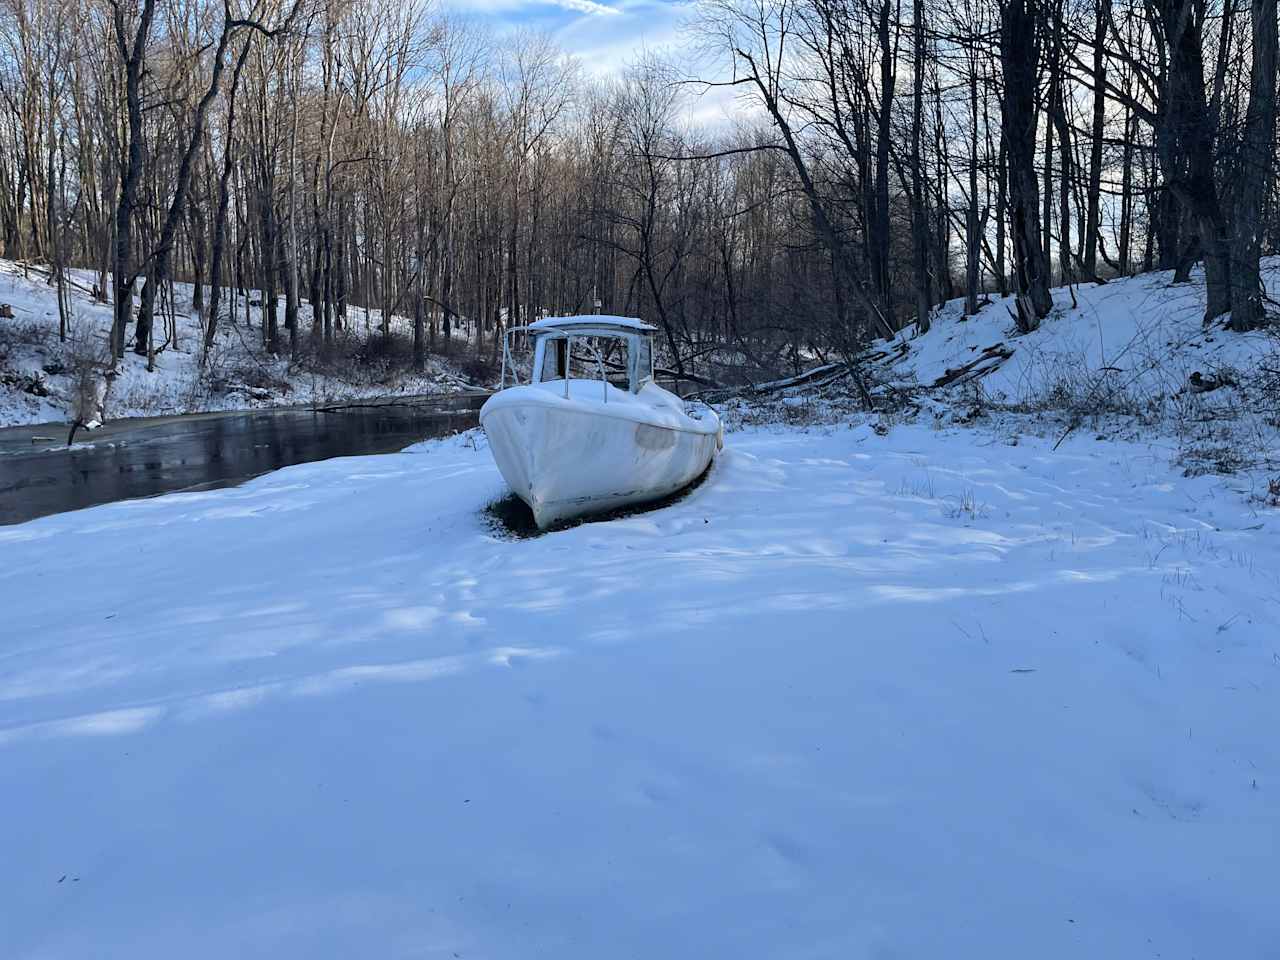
x=1256 y=167
x=1020 y=58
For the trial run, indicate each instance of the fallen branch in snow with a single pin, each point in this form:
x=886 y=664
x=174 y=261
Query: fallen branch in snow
x=815 y=378
x=693 y=378
x=993 y=356
x=71 y=281
x=826 y=372
x=888 y=355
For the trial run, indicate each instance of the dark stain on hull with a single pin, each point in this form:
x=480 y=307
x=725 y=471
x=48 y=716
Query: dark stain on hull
x=511 y=519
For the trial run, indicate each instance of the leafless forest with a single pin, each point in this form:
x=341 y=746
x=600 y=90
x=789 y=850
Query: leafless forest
x=885 y=157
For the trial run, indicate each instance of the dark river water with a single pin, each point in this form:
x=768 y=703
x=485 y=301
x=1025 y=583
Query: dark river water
x=144 y=457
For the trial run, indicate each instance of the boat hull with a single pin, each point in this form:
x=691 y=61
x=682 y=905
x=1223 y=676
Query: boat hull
x=567 y=459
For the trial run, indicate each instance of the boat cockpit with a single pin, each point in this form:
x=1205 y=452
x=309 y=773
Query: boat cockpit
x=615 y=350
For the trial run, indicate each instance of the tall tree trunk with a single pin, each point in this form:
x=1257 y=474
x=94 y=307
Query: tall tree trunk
x=1254 y=175
x=1065 y=173
x=1188 y=133
x=196 y=232
x=884 y=116
x=1124 y=259
x=1002 y=218
x=973 y=222
x=270 y=267
x=158 y=271
x=919 y=189
x=133 y=56
x=1019 y=59
x=1093 y=220
x=216 y=254
x=1046 y=213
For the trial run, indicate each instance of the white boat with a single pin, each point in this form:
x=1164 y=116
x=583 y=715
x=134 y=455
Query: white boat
x=570 y=444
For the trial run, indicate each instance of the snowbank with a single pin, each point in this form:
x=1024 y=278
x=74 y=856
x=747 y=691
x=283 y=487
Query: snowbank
x=924 y=695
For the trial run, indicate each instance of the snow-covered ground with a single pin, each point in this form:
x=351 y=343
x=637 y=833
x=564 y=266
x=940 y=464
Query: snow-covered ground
x=922 y=695
x=38 y=372
x=1136 y=338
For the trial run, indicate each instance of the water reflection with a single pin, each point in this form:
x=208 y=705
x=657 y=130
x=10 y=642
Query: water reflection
x=143 y=458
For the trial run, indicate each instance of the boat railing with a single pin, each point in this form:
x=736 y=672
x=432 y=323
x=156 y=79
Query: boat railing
x=506 y=357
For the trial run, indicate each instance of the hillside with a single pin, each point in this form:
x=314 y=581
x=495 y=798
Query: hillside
x=1134 y=339
x=1128 y=359
x=38 y=372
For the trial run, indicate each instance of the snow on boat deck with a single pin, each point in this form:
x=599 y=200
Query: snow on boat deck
x=914 y=696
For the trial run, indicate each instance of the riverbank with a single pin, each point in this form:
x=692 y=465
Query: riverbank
x=41 y=375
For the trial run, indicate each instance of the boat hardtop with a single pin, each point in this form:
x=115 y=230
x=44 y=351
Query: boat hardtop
x=608 y=323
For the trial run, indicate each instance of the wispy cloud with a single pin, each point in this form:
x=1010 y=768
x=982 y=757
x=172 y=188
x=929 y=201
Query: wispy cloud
x=587 y=6
x=641 y=25
x=516 y=10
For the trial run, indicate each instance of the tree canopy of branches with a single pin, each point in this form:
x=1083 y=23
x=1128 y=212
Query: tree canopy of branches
x=884 y=158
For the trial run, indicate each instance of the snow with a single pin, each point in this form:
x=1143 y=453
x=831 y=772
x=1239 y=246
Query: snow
x=1138 y=336
x=240 y=374
x=591 y=320
x=921 y=695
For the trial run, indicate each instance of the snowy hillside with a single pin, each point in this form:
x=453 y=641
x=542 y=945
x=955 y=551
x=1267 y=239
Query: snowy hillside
x=38 y=373
x=921 y=695
x=1135 y=340
x=1127 y=359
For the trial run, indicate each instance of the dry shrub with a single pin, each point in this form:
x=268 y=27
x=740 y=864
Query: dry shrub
x=1267 y=383
x=355 y=358
x=23 y=336
x=1221 y=459
x=26 y=333
x=244 y=375
x=479 y=368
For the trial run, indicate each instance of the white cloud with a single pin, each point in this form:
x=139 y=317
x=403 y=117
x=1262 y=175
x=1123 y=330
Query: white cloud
x=604 y=47
x=496 y=8
x=589 y=7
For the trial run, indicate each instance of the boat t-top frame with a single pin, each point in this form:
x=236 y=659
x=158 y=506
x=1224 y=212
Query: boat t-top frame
x=564 y=332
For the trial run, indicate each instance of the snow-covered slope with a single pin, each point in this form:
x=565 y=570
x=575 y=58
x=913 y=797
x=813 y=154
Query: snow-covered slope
x=38 y=373
x=925 y=695
x=1137 y=338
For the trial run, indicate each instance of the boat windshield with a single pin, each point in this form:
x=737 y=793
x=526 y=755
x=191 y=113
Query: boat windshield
x=587 y=358
x=624 y=360
x=617 y=351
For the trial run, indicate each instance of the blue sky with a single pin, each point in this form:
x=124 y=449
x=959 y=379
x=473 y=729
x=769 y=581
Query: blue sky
x=604 y=34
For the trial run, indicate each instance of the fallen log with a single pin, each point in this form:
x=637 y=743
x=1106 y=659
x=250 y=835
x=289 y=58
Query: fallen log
x=809 y=376
x=891 y=354
x=993 y=357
